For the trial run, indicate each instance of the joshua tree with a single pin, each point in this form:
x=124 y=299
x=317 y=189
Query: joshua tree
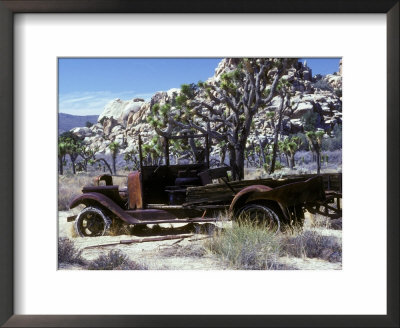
x=277 y=127
x=263 y=147
x=62 y=152
x=88 y=156
x=130 y=157
x=73 y=150
x=71 y=145
x=114 y=147
x=225 y=109
x=289 y=147
x=315 y=140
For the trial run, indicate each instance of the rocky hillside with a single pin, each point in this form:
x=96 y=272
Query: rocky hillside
x=122 y=121
x=67 y=122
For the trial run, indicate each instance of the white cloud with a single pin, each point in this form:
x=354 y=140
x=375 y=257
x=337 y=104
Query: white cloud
x=93 y=103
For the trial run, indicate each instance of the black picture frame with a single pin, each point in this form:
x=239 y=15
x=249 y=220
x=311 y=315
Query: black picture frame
x=10 y=7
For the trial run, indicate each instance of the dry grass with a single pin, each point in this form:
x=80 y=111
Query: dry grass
x=70 y=185
x=115 y=260
x=68 y=254
x=247 y=246
x=312 y=244
x=251 y=247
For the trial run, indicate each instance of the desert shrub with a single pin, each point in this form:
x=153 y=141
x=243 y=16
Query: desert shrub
x=67 y=253
x=115 y=260
x=320 y=221
x=312 y=244
x=247 y=246
x=335 y=141
x=309 y=120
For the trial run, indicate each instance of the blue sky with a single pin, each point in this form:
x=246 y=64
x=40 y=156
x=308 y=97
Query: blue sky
x=86 y=85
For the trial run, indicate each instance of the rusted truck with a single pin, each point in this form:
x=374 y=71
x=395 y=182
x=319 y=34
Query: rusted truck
x=184 y=193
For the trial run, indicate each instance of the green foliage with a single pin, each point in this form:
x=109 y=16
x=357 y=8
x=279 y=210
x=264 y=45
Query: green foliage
x=114 y=147
x=303 y=143
x=181 y=100
x=267 y=165
x=290 y=145
x=309 y=121
x=270 y=115
x=315 y=137
x=88 y=124
x=188 y=90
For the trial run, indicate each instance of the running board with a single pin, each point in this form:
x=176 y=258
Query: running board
x=192 y=220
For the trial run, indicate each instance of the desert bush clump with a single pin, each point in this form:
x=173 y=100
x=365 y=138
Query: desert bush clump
x=67 y=253
x=311 y=244
x=247 y=246
x=115 y=260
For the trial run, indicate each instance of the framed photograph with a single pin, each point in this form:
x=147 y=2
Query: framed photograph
x=83 y=85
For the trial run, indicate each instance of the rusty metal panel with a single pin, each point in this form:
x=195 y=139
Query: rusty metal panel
x=290 y=194
x=103 y=201
x=294 y=193
x=248 y=190
x=152 y=214
x=135 y=190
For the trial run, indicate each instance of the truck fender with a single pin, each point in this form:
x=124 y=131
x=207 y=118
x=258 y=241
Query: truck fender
x=99 y=200
x=249 y=194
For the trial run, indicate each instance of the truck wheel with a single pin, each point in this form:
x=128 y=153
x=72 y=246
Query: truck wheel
x=91 y=222
x=260 y=214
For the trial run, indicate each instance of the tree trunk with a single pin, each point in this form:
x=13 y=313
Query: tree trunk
x=318 y=158
x=232 y=162
x=274 y=151
x=318 y=161
x=73 y=166
x=239 y=161
x=113 y=163
x=222 y=155
x=292 y=161
x=287 y=160
x=277 y=130
x=61 y=166
x=106 y=164
x=263 y=160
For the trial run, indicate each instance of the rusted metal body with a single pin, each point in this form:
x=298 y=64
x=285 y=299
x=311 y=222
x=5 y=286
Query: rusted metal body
x=195 y=193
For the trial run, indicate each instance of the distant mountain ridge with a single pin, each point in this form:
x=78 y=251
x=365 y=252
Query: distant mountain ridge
x=67 y=122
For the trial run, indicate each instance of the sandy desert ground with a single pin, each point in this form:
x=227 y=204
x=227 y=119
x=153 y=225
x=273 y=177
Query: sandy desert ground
x=186 y=254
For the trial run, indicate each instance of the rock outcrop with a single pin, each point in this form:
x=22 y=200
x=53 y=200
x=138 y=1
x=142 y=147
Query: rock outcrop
x=123 y=121
x=119 y=109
